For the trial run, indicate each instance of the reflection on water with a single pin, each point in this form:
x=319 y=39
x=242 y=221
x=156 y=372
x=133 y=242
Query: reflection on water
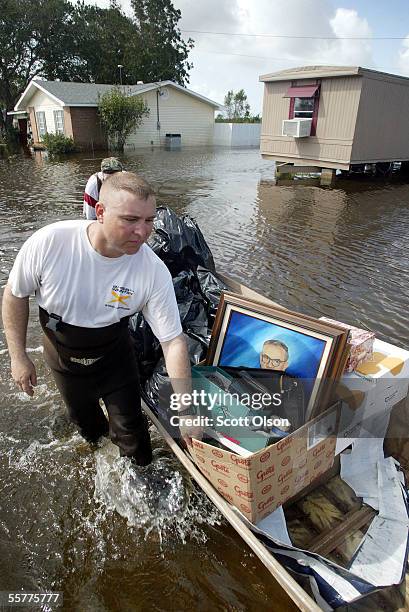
x=68 y=519
x=340 y=252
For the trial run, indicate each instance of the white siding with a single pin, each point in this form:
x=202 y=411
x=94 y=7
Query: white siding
x=181 y=114
x=382 y=127
x=46 y=104
x=237 y=134
x=222 y=134
x=246 y=135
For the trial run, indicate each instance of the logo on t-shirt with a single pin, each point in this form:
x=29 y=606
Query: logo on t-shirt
x=120 y=298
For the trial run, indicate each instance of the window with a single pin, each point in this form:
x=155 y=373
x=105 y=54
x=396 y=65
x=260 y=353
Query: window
x=304 y=108
x=41 y=124
x=59 y=121
x=304 y=103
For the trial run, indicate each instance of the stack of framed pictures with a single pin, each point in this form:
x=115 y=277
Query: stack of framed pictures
x=250 y=334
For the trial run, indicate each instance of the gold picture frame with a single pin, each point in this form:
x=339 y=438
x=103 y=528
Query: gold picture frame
x=316 y=350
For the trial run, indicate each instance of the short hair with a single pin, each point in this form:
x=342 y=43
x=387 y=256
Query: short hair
x=126 y=181
x=277 y=343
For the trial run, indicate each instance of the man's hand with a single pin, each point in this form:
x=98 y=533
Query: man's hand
x=178 y=367
x=24 y=374
x=187 y=432
x=15 y=319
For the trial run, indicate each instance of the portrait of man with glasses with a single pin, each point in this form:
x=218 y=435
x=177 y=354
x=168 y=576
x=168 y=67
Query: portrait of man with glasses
x=274 y=355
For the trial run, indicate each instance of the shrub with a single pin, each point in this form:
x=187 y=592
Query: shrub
x=121 y=113
x=58 y=144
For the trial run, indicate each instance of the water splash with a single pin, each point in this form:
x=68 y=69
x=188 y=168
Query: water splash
x=154 y=499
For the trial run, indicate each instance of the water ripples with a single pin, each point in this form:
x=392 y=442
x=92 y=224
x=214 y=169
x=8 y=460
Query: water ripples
x=79 y=519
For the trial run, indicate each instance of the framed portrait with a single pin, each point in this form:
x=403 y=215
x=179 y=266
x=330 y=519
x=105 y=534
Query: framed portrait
x=250 y=334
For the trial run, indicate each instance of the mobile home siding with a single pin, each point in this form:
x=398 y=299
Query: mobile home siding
x=338 y=108
x=180 y=113
x=382 y=130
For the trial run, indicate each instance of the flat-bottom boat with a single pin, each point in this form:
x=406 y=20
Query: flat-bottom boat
x=327 y=519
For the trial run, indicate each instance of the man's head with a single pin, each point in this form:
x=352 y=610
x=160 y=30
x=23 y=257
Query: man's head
x=125 y=213
x=110 y=165
x=274 y=355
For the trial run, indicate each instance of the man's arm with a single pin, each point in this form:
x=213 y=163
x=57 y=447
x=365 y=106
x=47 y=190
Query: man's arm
x=15 y=319
x=178 y=368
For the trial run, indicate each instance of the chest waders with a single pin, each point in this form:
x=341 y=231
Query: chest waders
x=93 y=363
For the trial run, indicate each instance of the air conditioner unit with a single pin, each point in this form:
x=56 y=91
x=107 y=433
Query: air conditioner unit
x=298 y=128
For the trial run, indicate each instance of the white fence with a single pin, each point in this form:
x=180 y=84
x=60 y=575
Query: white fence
x=237 y=134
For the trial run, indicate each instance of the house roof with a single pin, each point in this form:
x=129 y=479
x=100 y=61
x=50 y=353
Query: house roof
x=68 y=93
x=314 y=72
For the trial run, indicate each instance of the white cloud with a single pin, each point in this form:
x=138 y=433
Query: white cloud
x=207 y=15
x=219 y=64
x=347 y=23
x=404 y=57
x=222 y=62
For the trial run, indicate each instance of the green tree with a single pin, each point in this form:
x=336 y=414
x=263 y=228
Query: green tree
x=241 y=106
x=229 y=104
x=35 y=39
x=163 y=53
x=104 y=39
x=57 y=39
x=236 y=105
x=120 y=114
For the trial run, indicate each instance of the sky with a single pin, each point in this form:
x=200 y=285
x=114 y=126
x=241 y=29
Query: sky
x=222 y=62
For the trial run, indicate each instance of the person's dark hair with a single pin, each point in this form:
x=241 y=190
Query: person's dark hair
x=126 y=181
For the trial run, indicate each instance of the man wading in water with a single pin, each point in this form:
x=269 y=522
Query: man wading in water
x=89 y=277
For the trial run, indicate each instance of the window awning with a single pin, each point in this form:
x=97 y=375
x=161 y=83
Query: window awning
x=306 y=91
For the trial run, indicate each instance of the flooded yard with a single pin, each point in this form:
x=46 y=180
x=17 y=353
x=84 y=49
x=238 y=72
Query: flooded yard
x=67 y=522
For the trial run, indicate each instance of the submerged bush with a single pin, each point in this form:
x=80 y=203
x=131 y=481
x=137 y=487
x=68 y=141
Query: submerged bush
x=121 y=113
x=58 y=144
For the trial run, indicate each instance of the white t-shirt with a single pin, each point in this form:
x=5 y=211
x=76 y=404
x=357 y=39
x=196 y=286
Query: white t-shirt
x=75 y=282
x=91 y=195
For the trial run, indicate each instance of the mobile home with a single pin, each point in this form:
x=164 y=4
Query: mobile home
x=335 y=117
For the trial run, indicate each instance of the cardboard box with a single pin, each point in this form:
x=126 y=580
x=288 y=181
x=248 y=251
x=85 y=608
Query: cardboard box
x=360 y=341
x=265 y=480
x=369 y=393
x=240 y=438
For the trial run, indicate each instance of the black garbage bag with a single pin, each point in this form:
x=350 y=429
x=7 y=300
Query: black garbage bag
x=147 y=347
x=179 y=242
x=191 y=304
x=157 y=389
x=156 y=393
x=211 y=288
x=181 y=245
x=185 y=284
x=193 y=316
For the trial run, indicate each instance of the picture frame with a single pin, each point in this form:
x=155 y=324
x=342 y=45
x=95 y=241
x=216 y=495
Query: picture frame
x=252 y=334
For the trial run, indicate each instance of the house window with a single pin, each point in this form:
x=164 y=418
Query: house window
x=41 y=124
x=304 y=103
x=59 y=121
x=304 y=108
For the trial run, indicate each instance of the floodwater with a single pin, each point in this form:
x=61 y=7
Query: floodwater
x=70 y=520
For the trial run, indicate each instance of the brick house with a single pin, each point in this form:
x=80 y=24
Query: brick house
x=72 y=109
